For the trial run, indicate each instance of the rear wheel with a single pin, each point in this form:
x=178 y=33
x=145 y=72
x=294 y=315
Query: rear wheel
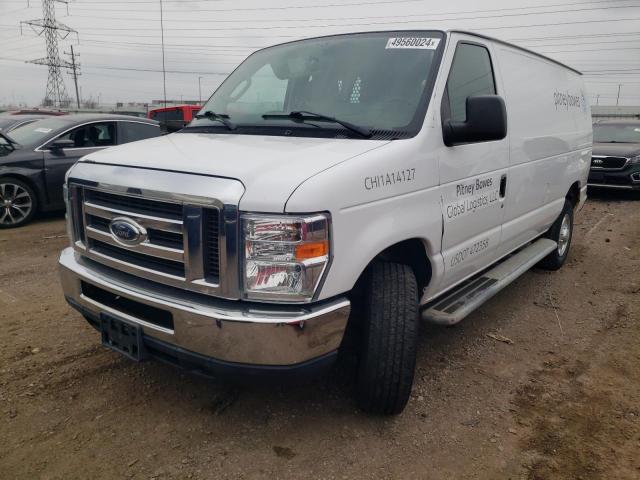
x=389 y=340
x=18 y=203
x=561 y=232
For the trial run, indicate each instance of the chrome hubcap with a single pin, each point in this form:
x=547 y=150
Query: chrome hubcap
x=15 y=203
x=565 y=235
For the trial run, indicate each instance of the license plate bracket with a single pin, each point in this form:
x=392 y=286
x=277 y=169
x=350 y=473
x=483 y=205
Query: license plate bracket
x=122 y=336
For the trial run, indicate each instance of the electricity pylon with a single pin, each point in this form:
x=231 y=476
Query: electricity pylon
x=53 y=31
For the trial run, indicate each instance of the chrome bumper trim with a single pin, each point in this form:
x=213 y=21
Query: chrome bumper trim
x=604 y=185
x=224 y=330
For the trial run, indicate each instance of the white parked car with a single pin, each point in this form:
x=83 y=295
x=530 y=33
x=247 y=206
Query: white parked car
x=369 y=179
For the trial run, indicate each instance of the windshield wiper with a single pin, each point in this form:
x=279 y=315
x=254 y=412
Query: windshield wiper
x=222 y=118
x=303 y=115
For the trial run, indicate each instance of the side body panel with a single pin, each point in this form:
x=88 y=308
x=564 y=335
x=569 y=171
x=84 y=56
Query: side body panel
x=549 y=123
x=376 y=200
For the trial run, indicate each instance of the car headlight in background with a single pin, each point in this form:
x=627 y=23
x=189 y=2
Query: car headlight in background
x=284 y=256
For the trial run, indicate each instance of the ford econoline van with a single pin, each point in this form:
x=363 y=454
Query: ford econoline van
x=368 y=180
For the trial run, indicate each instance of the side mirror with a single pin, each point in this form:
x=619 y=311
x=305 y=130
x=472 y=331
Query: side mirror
x=61 y=144
x=486 y=121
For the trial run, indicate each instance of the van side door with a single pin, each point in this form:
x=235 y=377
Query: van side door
x=472 y=175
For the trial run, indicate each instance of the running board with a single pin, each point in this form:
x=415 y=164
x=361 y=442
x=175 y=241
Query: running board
x=473 y=293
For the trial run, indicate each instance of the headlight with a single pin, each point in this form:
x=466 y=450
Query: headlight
x=284 y=256
x=634 y=160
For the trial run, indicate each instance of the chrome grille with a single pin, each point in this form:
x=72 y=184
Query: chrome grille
x=182 y=244
x=599 y=162
x=136 y=204
x=211 y=227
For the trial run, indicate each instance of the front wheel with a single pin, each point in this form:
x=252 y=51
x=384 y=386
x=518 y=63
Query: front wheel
x=561 y=232
x=17 y=203
x=390 y=334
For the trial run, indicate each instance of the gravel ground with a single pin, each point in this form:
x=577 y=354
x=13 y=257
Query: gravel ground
x=541 y=383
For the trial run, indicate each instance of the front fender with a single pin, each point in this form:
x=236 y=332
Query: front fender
x=368 y=216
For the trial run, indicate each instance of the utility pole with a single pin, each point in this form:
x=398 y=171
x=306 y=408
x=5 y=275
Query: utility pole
x=618 y=99
x=53 y=31
x=598 y=99
x=74 y=70
x=200 y=90
x=164 y=72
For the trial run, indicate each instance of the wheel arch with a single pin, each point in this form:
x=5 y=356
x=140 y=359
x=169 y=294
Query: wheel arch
x=573 y=195
x=412 y=252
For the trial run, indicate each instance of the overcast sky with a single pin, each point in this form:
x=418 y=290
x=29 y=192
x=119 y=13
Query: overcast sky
x=119 y=40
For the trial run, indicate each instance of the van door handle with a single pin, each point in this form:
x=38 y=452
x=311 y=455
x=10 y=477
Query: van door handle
x=503 y=186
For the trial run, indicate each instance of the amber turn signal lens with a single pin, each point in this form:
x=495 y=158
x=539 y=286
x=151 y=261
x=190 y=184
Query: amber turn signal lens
x=312 y=250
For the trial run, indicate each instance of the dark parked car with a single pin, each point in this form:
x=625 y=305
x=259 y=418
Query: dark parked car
x=615 y=162
x=11 y=122
x=34 y=158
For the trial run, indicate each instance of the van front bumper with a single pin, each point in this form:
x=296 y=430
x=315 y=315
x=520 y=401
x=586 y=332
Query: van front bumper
x=204 y=333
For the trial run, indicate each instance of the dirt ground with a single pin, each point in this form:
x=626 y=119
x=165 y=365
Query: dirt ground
x=543 y=382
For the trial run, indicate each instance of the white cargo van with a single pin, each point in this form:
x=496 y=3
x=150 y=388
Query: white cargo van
x=369 y=179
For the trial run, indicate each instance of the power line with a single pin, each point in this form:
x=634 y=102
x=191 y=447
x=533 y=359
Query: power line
x=590 y=50
x=191 y=21
x=587 y=35
x=583 y=43
x=385 y=17
x=132 y=69
x=289 y=7
x=185 y=37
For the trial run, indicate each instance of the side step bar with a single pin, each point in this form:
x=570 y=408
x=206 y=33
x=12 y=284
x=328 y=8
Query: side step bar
x=473 y=293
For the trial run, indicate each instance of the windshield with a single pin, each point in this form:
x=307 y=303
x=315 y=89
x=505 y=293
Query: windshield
x=374 y=80
x=37 y=131
x=617 y=133
x=6 y=122
x=6 y=147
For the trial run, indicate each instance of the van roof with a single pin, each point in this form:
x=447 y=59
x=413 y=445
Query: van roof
x=493 y=39
x=441 y=30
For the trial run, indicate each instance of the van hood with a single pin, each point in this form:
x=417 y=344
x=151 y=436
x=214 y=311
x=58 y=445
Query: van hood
x=269 y=167
x=617 y=149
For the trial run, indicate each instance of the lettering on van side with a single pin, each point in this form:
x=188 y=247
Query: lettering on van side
x=469 y=252
x=471 y=188
x=565 y=100
x=389 y=178
x=472 y=196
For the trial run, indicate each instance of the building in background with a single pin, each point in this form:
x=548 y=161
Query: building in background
x=602 y=112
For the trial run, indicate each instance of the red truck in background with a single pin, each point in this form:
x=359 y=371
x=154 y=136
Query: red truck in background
x=175 y=117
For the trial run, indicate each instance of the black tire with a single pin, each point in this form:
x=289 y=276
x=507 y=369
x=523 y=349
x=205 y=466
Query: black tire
x=18 y=203
x=556 y=259
x=389 y=339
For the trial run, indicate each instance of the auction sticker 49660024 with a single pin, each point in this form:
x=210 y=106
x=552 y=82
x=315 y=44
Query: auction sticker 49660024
x=424 y=43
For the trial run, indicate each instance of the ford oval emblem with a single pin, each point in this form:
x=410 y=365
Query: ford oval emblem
x=127 y=232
